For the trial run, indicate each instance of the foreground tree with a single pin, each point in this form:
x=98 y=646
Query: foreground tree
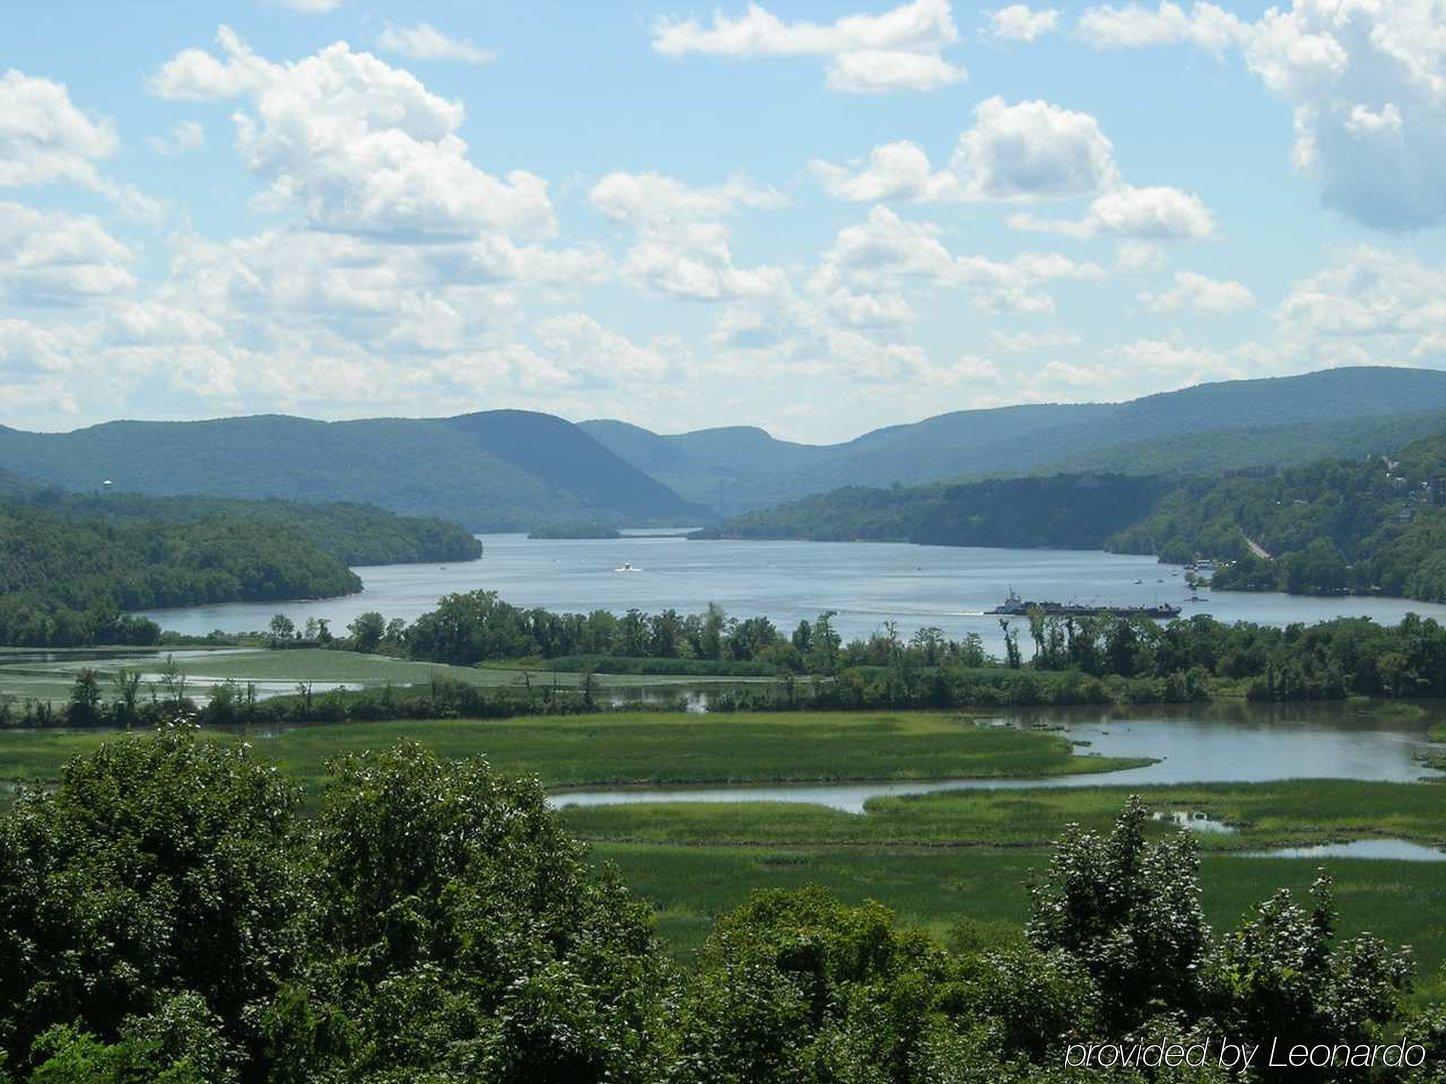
x=459 y=934
x=159 y=866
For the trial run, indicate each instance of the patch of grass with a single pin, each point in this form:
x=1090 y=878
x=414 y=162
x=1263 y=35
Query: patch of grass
x=52 y=680
x=656 y=748
x=1399 y=901
x=1265 y=816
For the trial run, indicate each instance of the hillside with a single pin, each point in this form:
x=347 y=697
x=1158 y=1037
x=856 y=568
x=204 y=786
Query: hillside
x=495 y=470
x=1230 y=425
x=70 y=563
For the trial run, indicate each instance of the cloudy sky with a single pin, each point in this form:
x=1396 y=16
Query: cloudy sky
x=815 y=217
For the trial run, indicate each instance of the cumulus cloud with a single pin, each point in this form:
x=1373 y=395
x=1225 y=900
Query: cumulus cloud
x=1027 y=151
x=876 y=256
x=681 y=245
x=1367 y=305
x=1366 y=80
x=899 y=49
x=1133 y=26
x=57 y=258
x=426 y=42
x=1199 y=293
x=1150 y=214
x=1020 y=22
x=1029 y=342
x=45 y=139
x=347 y=142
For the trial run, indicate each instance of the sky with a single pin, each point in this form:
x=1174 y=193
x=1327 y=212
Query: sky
x=818 y=218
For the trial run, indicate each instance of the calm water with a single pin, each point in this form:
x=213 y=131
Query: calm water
x=867 y=583
x=1194 y=745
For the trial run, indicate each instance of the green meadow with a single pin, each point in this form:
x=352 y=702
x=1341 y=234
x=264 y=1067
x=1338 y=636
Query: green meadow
x=51 y=680
x=1261 y=816
x=650 y=748
x=981 y=894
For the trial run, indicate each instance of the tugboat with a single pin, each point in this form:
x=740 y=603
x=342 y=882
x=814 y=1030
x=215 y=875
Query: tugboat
x=1014 y=606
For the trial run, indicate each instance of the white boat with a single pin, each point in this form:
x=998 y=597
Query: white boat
x=625 y=567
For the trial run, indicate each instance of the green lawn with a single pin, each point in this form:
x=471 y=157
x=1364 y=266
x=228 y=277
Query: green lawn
x=1265 y=815
x=655 y=748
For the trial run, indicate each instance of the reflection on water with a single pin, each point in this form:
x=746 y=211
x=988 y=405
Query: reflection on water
x=1206 y=744
x=865 y=582
x=1402 y=850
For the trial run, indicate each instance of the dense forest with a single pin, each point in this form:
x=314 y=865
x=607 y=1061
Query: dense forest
x=1063 y=511
x=1375 y=525
x=70 y=565
x=171 y=912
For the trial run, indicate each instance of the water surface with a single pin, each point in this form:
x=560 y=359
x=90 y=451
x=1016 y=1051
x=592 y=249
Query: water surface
x=867 y=583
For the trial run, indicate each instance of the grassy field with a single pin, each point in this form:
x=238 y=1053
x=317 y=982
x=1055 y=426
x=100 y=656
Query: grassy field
x=983 y=890
x=1264 y=815
x=280 y=670
x=653 y=748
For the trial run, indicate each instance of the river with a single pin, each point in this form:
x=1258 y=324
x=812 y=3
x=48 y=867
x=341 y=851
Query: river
x=867 y=583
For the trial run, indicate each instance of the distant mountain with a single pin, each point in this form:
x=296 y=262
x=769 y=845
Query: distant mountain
x=495 y=470
x=1230 y=425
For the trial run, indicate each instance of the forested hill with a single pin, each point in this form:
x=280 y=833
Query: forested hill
x=495 y=470
x=69 y=565
x=1231 y=425
x=1373 y=525
x=355 y=534
x=1060 y=511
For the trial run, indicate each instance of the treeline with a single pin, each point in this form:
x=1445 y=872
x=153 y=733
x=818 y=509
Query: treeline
x=1375 y=526
x=71 y=566
x=170 y=915
x=1182 y=660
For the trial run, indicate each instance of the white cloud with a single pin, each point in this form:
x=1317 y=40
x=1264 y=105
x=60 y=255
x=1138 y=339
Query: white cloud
x=45 y=139
x=1133 y=26
x=580 y=345
x=1151 y=214
x=1020 y=22
x=348 y=142
x=681 y=246
x=309 y=7
x=1367 y=305
x=56 y=258
x=879 y=255
x=899 y=49
x=1199 y=293
x=426 y=42
x=639 y=198
x=1139 y=256
x=880 y=71
x=1366 y=80
x=186 y=135
x=1030 y=150
x=1028 y=342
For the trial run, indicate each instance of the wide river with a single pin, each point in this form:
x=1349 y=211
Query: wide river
x=867 y=583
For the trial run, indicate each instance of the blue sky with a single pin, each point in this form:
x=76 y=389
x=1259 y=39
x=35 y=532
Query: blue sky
x=815 y=217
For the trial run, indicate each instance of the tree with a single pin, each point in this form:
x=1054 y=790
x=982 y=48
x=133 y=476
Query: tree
x=282 y=628
x=367 y=631
x=1129 y=912
x=85 y=699
x=159 y=864
x=459 y=934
